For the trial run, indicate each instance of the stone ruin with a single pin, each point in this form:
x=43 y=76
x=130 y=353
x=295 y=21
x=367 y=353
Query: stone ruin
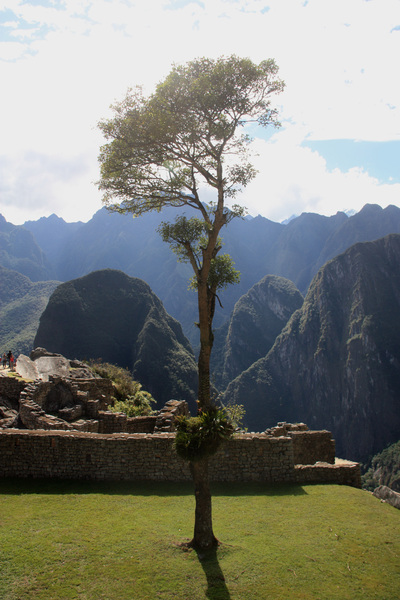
x=62 y=394
x=56 y=423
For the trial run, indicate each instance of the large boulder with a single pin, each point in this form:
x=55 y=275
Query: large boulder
x=390 y=496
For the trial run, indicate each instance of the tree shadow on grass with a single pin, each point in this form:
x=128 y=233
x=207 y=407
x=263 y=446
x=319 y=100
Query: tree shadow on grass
x=216 y=585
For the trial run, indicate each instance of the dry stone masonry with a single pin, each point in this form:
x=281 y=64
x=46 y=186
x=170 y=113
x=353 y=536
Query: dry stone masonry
x=140 y=456
x=60 y=427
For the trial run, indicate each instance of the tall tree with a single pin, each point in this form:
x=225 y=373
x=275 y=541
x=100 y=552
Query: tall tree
x=163 y=150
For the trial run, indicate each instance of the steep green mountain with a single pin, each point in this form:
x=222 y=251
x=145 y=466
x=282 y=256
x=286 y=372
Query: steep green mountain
x=118 y=318
x=20 y=252
x=21 y=304
x=336 y=365
x=257 y=319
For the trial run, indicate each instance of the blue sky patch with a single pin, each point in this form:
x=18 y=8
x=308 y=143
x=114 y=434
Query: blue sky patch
x=16 y=29
x=177 y=4
x=45 y=3
x=379 y=159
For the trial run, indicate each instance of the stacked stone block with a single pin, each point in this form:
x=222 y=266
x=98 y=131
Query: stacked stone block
x=167 y=416
x=310 y=447
x=139 y=457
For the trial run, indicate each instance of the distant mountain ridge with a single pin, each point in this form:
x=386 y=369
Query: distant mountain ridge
x=52 y=233
x=258 y=246
x=20 y=252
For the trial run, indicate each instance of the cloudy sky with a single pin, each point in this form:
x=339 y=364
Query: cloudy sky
x=62 y=63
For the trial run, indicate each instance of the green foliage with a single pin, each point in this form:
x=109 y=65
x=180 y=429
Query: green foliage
x=222 y=273
x=200 y=437
x=137 y=405
x=235 y=413
x=188 y=238
x=384 y=469
x=130 y=398
x=163 y=146
x=184 y=232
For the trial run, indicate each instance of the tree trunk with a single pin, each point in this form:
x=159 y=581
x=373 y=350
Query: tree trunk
x=203 y=538
x=206 y=344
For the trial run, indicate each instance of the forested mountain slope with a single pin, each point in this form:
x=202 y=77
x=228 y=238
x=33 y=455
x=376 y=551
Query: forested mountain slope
x=20 y=252
x=21 y=304
x=336 y=365
x=257 y=319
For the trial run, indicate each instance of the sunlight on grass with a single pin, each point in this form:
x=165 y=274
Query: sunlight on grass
x=122 y=541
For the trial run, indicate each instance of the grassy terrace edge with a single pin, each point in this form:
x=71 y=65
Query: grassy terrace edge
x=85 y=540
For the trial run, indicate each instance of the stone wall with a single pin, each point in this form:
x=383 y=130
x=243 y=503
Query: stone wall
x=10 y=389
x=343 y=473
x=312 y=446
x=74 y=455
x=71 y=434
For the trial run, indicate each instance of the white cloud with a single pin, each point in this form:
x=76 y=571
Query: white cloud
x=46 y=184
x=293 y=179
x=66 y=65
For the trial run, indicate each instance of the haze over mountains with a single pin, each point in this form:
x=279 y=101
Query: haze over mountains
x=21 y=304
x=257 y=245
x=257 y=319
x=332 y=362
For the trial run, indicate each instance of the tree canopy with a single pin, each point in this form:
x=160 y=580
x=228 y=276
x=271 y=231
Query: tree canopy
x=187 y=133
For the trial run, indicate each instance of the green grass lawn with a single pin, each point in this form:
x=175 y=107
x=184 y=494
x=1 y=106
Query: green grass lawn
x=64 y=540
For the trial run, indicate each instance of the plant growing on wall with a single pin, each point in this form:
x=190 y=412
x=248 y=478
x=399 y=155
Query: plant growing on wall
x=199 y=437
x=165 y=150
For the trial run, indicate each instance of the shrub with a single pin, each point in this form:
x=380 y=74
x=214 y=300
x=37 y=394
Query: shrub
x=129 y=396
x=201 y=436
x=234 y=413
x=137 y=405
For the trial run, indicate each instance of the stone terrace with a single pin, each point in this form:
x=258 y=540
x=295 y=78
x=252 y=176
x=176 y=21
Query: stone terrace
x=61 y=428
